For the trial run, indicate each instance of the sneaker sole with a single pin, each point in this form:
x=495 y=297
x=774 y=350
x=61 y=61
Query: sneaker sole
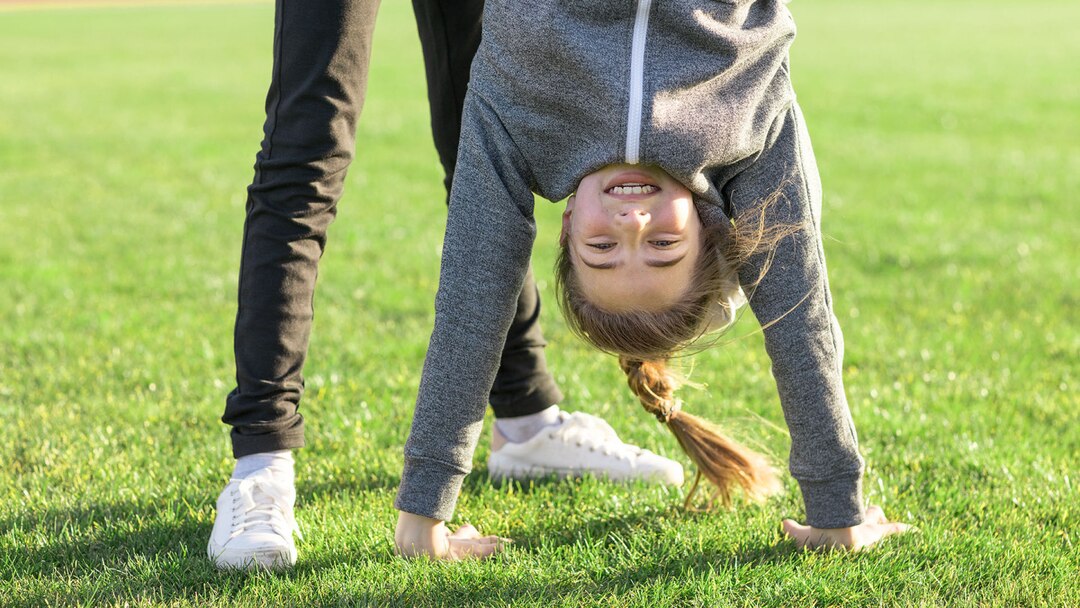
x=519 y=471
x=263 y=559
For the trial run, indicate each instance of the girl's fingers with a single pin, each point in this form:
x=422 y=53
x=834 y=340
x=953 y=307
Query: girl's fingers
x=796 y=531
x=875 y=515
x=473 y=551
x=466 y=543
x=466 y=531
x=896 y=528
x=478 y=548
x=491 y=540
x=879 y=532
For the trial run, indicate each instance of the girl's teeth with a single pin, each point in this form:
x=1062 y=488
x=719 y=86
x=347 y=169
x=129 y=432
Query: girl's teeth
x=633 y=189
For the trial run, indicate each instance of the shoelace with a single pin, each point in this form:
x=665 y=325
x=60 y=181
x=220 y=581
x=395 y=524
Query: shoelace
x=596 y=434
x=261 y=505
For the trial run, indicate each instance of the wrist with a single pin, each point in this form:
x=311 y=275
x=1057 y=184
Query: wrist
x=415 y=521
x=418 y=535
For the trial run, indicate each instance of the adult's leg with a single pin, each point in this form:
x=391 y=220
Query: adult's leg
x=450 y=34
x=321 y=53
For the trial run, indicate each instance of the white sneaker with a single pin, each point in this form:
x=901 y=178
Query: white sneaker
x=579 y=444
x=254 y=525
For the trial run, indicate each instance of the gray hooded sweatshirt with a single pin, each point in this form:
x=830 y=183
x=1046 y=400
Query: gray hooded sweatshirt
x=561 y=88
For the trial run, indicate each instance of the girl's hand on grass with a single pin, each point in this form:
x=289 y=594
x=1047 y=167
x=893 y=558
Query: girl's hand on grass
x=873 y=529
x=417 y=536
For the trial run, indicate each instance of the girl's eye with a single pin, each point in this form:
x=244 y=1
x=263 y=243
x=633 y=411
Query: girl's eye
x=663 y=244
x=602 y=246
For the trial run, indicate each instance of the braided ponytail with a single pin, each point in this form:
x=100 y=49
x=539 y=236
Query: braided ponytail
x=720 y=459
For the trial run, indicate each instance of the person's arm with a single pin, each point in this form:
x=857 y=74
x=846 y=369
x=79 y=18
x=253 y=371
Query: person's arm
x=794 y=306
x=793 y=303
x=488 y=243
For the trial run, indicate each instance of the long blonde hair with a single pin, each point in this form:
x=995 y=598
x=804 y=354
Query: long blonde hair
x=645 y=341
x=720 y=459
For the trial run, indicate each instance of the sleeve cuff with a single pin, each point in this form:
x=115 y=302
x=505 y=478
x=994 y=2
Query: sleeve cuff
x=833 y=504
x=428 y=488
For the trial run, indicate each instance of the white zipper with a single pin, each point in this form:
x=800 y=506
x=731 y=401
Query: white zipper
x=637 y=68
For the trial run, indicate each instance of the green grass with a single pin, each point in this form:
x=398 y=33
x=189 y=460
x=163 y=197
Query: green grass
x=947 y=135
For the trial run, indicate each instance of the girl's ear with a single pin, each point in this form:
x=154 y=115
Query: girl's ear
x=564 y=234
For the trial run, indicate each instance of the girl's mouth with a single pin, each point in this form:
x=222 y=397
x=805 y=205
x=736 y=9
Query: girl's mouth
x=631 y=188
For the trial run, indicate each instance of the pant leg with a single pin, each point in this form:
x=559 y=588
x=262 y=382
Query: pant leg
x=321 y=53
x=450 y=34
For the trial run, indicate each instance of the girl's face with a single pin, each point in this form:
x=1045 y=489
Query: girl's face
x=634 y=237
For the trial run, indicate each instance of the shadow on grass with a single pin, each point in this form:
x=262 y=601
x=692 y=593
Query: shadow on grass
x=108 y=550
x=429 y=585
x=374 y=480
x=135 y=549
x=439 y=585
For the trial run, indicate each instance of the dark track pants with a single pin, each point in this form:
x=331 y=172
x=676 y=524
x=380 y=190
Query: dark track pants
x=321 y=54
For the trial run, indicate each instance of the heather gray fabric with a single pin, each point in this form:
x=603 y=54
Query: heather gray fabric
x=548 y=104
x=321 y=51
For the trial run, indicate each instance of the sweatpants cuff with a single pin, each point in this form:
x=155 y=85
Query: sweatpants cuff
x=540 y=398
x=246 y=445
x=429 y=488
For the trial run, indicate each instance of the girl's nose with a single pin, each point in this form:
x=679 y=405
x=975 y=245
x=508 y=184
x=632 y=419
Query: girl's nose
x=633 y=219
